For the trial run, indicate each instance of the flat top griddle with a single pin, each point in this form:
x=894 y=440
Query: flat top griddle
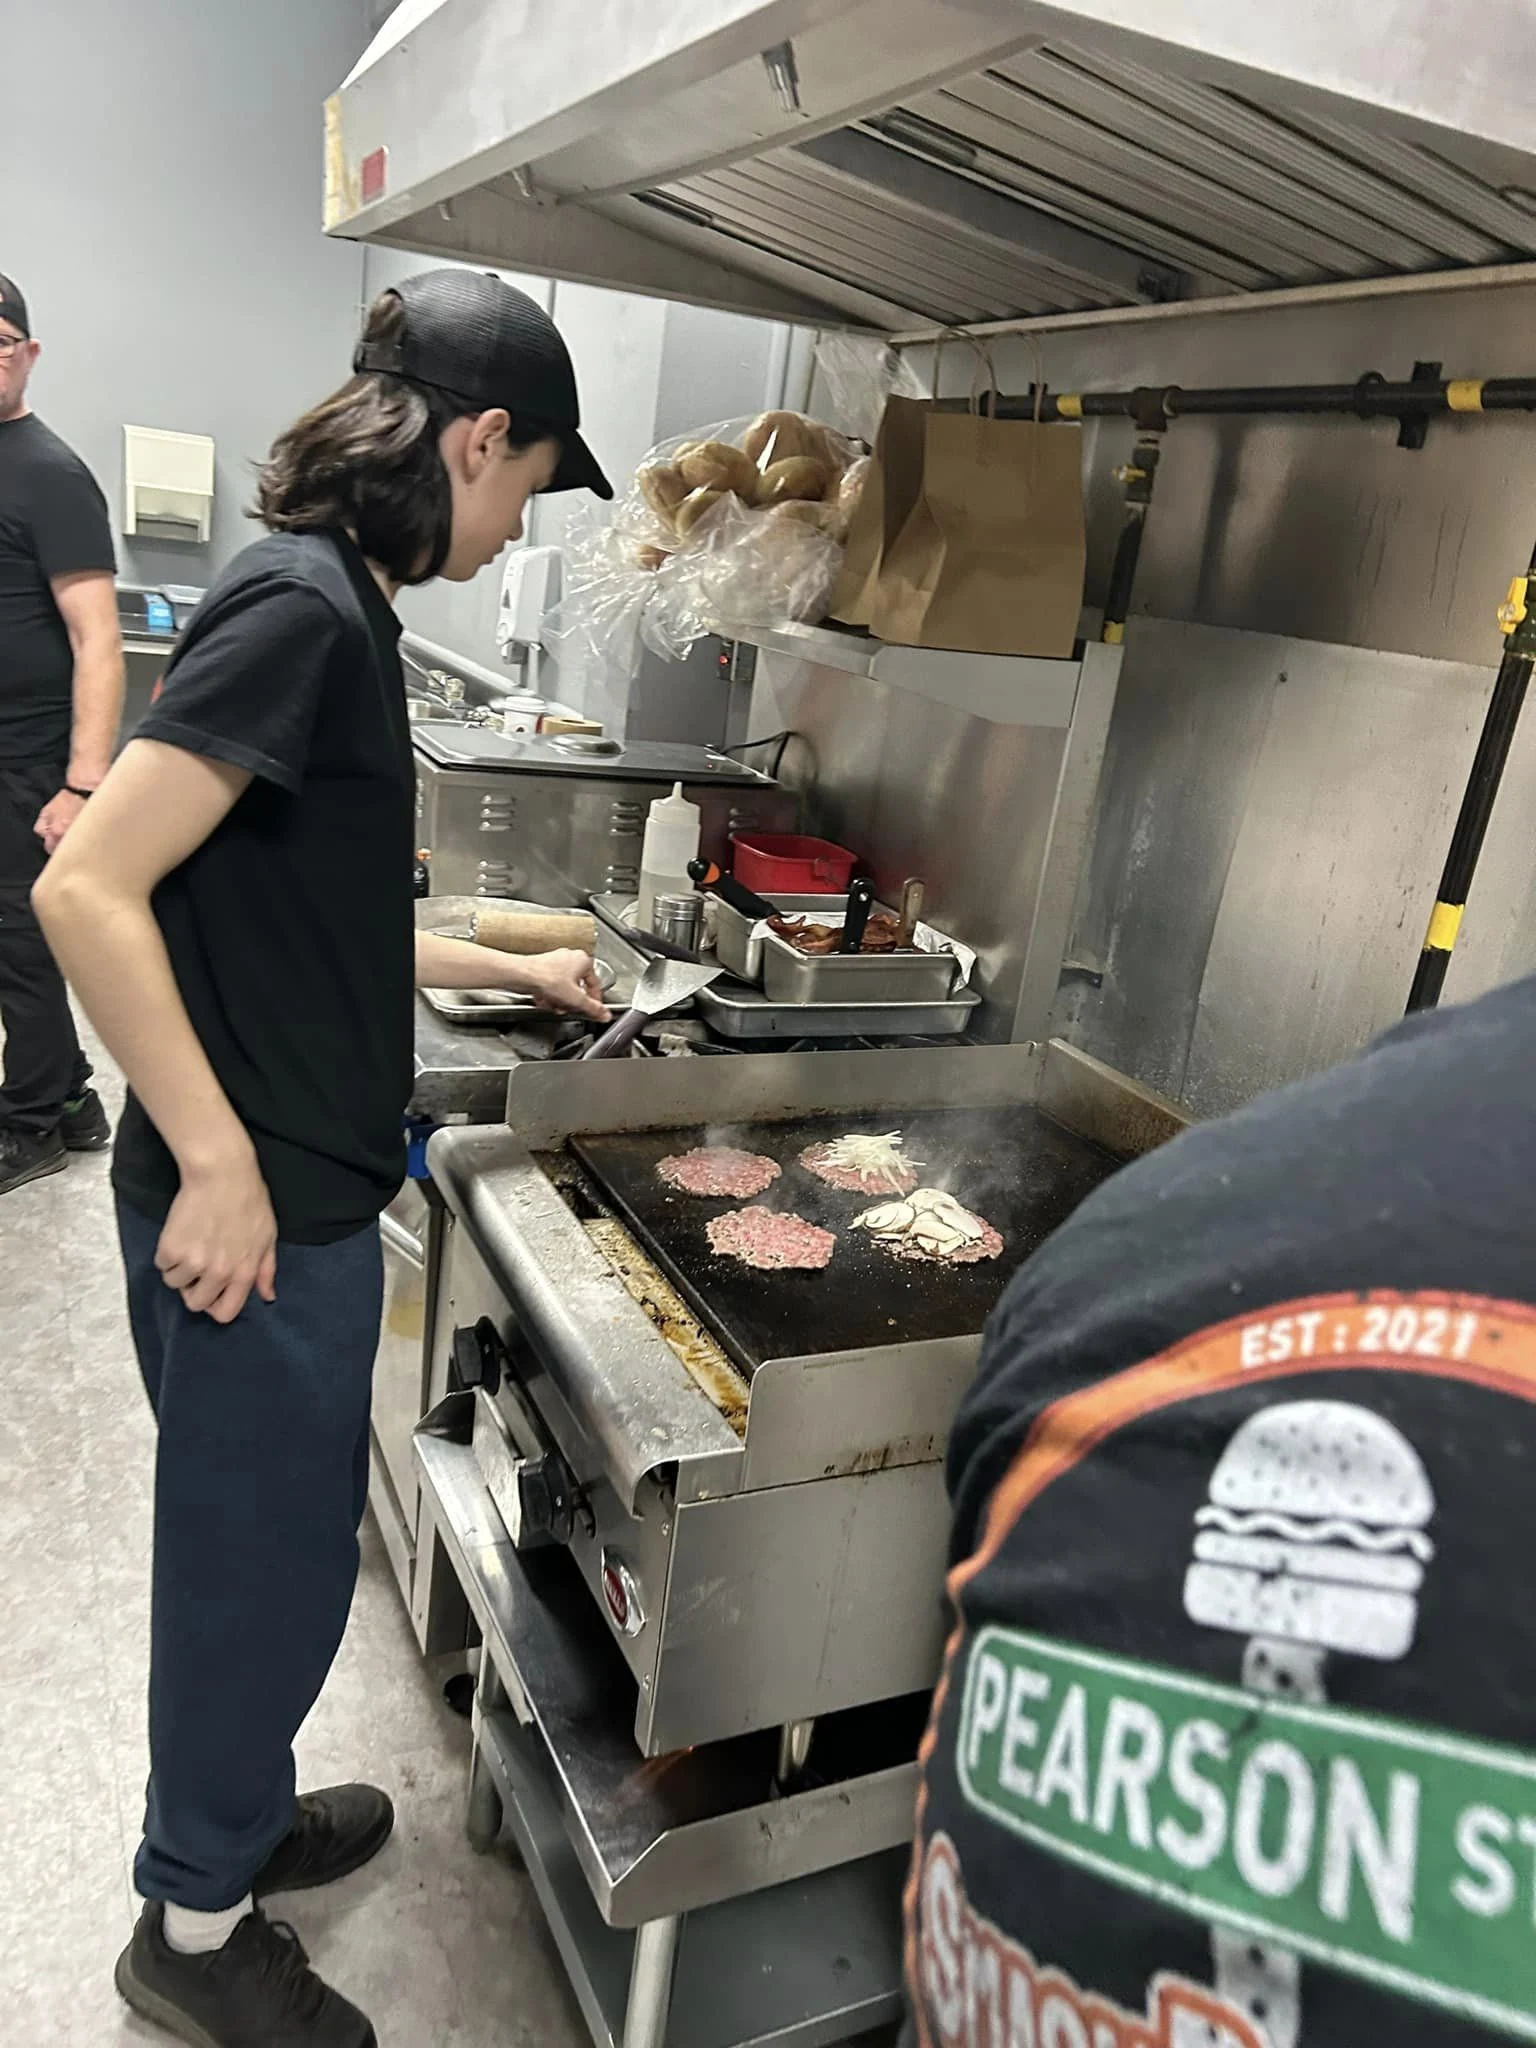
x=1016 y=1168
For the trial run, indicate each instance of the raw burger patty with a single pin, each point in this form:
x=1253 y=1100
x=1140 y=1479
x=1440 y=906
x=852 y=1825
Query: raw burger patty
x=889 y=1174
x=771 y=1241
x=719 y=1170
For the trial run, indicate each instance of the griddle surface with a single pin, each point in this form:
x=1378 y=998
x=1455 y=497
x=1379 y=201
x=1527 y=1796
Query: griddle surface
x=1014 y=1167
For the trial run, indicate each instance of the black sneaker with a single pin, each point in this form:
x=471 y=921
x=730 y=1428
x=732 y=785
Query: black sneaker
x=85 y=1127
x=257 y=1991
x=333 y=1833
x=26 y=1157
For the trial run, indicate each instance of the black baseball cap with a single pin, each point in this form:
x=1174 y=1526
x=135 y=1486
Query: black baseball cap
x=13 y=307
x=476 y=338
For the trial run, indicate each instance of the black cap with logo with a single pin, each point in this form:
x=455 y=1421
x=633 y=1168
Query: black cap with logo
x=13 y=307
x=476 y=338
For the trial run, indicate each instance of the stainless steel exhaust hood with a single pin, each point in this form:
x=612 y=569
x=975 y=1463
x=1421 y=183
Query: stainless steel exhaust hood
x=895 y=163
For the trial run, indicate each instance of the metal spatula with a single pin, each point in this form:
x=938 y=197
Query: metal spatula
x=663 y=986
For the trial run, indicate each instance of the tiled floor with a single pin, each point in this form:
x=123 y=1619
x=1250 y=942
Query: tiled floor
x=442 y=1948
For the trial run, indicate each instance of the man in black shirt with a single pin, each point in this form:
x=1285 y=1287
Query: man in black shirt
x=61 y=696
x=1236 y=1744
x=236 y=912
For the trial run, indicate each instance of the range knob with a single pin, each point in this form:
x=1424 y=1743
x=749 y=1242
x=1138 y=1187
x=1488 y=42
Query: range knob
x=477 y=1355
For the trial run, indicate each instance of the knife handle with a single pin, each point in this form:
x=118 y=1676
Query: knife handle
x=861 y=901
x=913 y=895
x=706 y=875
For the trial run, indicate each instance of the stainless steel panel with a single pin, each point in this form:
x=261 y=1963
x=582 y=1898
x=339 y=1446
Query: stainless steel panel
x=637 y=1528
x=826 y=1950
x=821 y=1418
x=1320 y=530
x=693 y=155
x=651 y=1843
x=545 y=1106
x=399 y=1375
x=628 y=1393
x=1103 y=1105
x=562 y=838
x=921 y=789
x=1271 y=827
x=787 y=1604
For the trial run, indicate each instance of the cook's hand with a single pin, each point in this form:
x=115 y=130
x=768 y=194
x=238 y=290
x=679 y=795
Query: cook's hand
x=56 y=817
x=566 y=982
x=220 y=1240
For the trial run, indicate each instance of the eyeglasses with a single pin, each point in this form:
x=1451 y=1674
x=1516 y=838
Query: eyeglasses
x=9 y=343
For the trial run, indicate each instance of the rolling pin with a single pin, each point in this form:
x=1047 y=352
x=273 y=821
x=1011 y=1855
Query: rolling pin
x=534 y=931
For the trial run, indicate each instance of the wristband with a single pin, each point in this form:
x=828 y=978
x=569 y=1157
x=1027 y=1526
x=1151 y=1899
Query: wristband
x=84 y=794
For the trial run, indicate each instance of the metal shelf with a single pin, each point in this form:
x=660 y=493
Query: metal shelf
x=1007 y=689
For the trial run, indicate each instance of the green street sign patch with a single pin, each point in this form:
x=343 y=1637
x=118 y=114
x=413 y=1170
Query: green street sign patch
x=1395 y=1853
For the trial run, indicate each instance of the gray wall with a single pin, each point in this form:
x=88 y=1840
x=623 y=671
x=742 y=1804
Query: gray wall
x=160 y=181
x=1276 y=800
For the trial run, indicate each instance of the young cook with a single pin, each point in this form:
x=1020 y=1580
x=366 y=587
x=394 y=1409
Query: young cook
x=234 y=908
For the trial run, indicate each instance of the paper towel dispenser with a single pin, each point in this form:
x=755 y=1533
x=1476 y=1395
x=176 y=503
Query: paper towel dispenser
x=167 y=484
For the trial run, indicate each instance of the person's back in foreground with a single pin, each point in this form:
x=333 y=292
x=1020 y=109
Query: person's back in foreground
x=1236 y=1741
x=235 y=910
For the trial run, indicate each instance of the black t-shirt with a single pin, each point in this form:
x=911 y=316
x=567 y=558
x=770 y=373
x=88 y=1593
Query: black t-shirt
x=53 y=522
x=291 y=928
x=1236 y=1742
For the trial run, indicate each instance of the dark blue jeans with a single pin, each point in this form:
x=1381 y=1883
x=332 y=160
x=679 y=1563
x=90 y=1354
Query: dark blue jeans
x=260 y=1485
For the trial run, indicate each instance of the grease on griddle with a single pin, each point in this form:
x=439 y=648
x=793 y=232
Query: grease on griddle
x=700 y=1356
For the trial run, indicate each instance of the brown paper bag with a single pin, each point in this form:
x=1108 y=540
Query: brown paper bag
x=991 y=554
x=889 y=494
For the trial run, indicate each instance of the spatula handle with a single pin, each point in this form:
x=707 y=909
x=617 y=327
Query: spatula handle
x=619 y=1037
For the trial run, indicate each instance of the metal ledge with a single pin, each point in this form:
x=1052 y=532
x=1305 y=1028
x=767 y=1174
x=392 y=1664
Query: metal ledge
x=681 y=1832
x=822 y=1956
x=1006 y=689
x=605 y=1356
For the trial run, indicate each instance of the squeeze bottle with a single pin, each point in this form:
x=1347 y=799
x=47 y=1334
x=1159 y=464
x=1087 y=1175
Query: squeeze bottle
x=671 y=842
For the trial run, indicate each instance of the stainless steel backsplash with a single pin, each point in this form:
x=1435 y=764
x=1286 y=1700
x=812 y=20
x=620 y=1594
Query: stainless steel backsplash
x=1295 y=721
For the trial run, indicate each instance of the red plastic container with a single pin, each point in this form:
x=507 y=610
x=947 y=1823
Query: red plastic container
x=788 y=864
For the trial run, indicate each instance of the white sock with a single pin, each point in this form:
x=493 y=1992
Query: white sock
x=203 y=1934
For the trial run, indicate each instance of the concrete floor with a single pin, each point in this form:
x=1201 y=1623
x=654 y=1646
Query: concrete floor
x=439 y=1946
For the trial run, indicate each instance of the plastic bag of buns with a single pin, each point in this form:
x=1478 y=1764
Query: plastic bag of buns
x=742 y=523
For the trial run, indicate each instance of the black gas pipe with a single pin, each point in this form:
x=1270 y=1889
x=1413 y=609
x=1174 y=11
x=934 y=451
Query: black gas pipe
x=1154 y=408
x=1503 y=715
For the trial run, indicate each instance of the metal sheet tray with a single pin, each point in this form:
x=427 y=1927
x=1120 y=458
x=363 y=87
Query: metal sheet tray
x=495 y=1006
x=737 y=1012
x=790 y=976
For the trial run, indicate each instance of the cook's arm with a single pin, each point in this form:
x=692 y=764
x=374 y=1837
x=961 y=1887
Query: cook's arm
x=156 y=807
x=561 y=981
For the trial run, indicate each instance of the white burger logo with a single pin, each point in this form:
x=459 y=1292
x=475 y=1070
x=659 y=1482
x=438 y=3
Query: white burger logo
x=1313 y=1541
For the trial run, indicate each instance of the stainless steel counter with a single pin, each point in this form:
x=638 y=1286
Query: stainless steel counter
x=462 y=1069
